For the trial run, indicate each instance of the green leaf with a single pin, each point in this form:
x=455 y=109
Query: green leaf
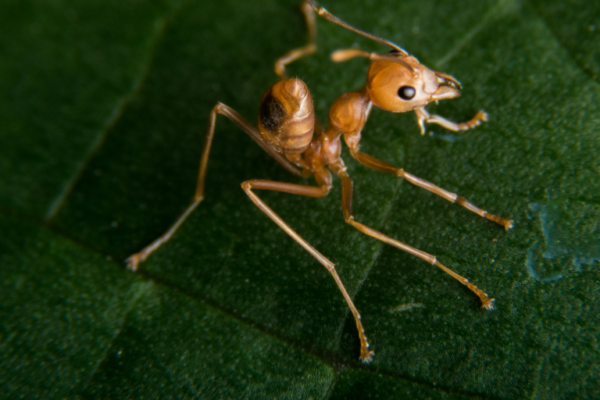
x=103 y=108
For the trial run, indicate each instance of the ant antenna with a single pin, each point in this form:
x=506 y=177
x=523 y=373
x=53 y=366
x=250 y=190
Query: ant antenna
x=332 y=18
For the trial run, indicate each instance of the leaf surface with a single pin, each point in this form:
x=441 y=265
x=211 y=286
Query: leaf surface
x=104 y=106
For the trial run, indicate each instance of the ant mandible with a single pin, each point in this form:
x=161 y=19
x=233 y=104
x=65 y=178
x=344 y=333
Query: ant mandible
x=396 y=82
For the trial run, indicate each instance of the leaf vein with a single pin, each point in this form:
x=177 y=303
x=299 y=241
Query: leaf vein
x=142 y=289
x=501 y=8
x=113 y=118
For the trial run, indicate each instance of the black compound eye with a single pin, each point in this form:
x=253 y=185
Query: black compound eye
x=407 y=92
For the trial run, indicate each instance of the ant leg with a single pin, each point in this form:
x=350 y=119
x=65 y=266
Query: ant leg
x=423 y=116
x=382 y=166
x=486 y=301
x=295 y=54
x=365 y=354
x=134 y=260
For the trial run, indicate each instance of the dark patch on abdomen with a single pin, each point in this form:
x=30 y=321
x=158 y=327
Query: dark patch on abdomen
x=272 y=113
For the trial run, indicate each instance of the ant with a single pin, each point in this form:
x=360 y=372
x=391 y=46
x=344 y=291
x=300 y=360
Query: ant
x=288 y=132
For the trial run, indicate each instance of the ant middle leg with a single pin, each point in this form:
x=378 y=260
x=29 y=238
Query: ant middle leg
x=324 y=179
x=134 y=260
x=382 y=166
x=486 y=301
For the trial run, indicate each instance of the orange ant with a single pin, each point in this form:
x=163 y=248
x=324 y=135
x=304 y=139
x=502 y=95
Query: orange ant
x=396 y=82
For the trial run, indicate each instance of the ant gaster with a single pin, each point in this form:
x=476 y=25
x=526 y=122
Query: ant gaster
x=287 y=131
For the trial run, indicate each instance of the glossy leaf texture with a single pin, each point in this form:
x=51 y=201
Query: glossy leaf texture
x=103 y=108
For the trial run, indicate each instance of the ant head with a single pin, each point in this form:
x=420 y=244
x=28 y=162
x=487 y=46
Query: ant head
x=399 y=83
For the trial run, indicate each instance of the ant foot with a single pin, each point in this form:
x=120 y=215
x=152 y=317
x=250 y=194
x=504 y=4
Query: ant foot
x=366 y=356
x=488 y=303
x=480 y=117
x=133 y=262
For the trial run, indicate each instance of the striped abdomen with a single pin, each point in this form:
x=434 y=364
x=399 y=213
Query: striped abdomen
x=286 y=119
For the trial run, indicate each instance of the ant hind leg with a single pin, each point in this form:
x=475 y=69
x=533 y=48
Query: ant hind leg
x=366 y=355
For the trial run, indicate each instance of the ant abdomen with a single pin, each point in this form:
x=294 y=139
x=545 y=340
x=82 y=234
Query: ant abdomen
x=286 y=118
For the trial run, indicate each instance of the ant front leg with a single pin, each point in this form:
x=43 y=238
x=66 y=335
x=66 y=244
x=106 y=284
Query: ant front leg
x=372 y=162
x=323 y=177
x=423 y=116
x=134 y=260
x=486 y=301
